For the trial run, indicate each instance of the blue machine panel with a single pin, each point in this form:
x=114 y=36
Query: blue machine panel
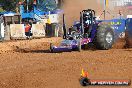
x=119 y=26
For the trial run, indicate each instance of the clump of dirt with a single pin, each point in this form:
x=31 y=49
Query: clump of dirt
x=33 y=46
x=28 y=45
x=120 y=44
x=128 y=41
x=21 y=50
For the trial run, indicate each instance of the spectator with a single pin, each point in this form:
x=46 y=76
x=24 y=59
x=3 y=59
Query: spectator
x=28 y=27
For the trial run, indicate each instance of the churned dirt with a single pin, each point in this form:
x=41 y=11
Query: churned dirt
x=29 y=64
x=120 y=44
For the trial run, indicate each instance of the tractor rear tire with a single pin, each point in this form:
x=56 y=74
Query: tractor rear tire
x=104 y=37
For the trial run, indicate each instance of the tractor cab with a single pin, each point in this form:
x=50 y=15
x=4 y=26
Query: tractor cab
x=86 y=25
x=88 y=20
x=88 y=17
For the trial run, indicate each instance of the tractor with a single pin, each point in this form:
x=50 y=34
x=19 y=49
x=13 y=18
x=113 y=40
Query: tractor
x=88 y=30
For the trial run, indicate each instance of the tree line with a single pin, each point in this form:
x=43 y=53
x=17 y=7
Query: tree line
x=9 y=5
x=12 y=5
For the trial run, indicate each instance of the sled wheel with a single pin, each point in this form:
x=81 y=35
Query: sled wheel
x=79 y=45
x=51 y=47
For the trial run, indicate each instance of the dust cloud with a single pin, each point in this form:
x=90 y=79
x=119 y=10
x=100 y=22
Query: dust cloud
x=72 y=9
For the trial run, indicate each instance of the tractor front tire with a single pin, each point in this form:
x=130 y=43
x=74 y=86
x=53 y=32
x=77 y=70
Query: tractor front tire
x=104 y=37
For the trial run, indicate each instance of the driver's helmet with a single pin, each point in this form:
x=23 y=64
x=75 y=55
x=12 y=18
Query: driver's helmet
x=76 y=22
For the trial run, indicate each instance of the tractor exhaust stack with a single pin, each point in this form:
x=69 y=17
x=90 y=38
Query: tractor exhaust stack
x=64 y=27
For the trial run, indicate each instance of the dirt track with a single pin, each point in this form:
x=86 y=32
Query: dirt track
x=37 y=68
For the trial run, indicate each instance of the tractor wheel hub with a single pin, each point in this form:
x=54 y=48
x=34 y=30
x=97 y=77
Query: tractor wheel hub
x=109 y=37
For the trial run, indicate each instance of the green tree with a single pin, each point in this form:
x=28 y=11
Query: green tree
x=12 y=5
x=1 y=10
x=9 y=5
